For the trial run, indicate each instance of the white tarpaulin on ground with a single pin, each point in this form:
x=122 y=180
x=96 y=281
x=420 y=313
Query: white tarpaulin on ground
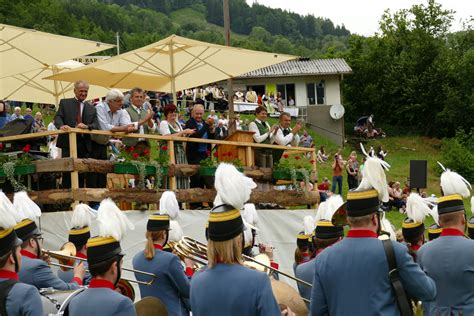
x=276 y=227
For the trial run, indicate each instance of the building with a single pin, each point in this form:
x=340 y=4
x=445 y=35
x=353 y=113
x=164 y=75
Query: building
x=314 y=85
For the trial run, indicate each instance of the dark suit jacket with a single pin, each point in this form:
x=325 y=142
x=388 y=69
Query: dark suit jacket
x=66 y=115
x=192 y=154
x=225 y=132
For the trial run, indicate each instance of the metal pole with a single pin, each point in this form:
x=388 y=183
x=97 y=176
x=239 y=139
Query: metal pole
x=117 y=36
x=230 y=88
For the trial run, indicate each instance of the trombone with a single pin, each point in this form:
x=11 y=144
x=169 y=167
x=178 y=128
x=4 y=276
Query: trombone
x=197 y=251
x=67 y=257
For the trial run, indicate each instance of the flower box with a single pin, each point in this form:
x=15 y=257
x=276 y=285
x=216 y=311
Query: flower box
x=211 y=171
x=21 y=170
x=284 y=174
x=132 y=169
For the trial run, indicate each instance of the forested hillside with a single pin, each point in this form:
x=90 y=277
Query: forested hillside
x=141 y=22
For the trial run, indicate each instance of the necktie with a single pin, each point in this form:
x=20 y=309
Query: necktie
x=78 y=113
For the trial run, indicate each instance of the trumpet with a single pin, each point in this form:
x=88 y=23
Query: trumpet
x=197 y=251
x=67 y=257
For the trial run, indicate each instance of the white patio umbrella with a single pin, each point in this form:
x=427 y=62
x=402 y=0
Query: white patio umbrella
x=30 y=87
x=23 y=50
x=172 y=64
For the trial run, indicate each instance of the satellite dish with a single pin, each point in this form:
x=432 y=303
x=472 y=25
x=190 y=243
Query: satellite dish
x=336 y=111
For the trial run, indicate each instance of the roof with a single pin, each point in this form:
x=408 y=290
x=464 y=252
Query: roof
x=302 y=67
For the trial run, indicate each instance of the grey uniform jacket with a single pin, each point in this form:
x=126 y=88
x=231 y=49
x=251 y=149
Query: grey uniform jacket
x=171 y=285
x=449 y=261
x=37 y=273
x=351 y=278
x=232 y=290
x=305 y=272
x=23 y=299
x=101 y=301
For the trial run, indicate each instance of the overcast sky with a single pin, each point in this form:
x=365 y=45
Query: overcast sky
x=363 y=16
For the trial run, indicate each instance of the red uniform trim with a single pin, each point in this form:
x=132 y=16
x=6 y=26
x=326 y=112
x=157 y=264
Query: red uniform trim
x=101 y=283
x=361 y=233
x=4 y=274
x=156 y=246
x=451 y=232
x=26 y=253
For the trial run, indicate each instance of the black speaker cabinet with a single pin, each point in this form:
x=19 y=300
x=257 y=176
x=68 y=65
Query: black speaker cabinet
x=418 y=174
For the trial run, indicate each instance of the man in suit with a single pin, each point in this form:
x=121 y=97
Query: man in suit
x=195 y=152
x=76 y=112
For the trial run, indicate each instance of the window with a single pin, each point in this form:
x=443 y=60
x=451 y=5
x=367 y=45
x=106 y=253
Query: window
x=320 y=92
x=287 y=92
x=316 y=93
x=311 y=93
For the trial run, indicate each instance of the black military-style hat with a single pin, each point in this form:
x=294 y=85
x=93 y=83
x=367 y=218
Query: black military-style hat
x=326 y=230
x=361 y=203
x=8 y=240
x=434 y=231
x=157 y=222
x=79 y=236
x=225 y=223
x=450 y=203
x=101 y=249
x=411 y=229
x=27 y=229
x=470 y=227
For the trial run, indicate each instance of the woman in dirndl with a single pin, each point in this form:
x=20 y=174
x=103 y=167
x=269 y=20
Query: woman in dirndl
x=171 y=126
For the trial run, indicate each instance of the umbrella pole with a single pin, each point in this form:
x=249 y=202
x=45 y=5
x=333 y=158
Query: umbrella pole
x=173 y=86
x=230 y=88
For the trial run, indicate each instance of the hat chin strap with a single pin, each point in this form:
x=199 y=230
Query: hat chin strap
x=119 y=271
x=15 y=259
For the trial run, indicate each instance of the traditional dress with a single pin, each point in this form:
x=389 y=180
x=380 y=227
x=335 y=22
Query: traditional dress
x=169 y=129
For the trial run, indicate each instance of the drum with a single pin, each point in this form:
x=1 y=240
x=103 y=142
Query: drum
x=55 y=302
x=287 y=295
x=150 y=306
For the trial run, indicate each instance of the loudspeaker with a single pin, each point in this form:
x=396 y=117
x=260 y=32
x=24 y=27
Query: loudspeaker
x=418 y=174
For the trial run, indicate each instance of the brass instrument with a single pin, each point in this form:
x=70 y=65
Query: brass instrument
x=67 y=258
x=193 y=249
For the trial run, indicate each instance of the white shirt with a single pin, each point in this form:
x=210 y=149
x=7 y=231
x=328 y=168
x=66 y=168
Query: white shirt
x=165 y=128
x=288 y=140
x=260 y=138
x=108 y=120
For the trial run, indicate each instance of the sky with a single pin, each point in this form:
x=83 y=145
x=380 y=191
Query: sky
x=362 y=16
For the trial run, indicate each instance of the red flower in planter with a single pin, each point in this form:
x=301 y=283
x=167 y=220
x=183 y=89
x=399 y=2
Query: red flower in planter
x=136 y=156
x=297 y=157
x=312 y=161
x=208 y=153
x=164 y=148
x=215 y=154
x=146 y=152
x=1 y=146
x=131 y=149
x=27 y=148
x=229 y=154
x=285 y=156
x=224 y=154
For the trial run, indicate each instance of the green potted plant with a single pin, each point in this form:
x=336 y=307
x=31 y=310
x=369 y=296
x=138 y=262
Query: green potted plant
x=17 y=165
x=209 y=165
x=132 y=160
x=294 y=167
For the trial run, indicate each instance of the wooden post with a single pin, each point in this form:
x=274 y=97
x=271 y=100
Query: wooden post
x=249 y=157
x=73 y=154
x=230 y=88
x=172 y=182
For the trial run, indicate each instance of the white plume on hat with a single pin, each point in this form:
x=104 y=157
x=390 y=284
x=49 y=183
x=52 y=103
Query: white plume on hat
x=417 y=207
x=434 y=213
x=333 y=203
x=169 y=204
x=387 y=227
x=8 y=206
x=7 y=220
x=309 y=224
x=373 y=176
x=26 y=206
x=81 y=216
x=453 y=183
x=249 y=215
x=321 y=211
x=472 y=205
x=176 y=232
x=112 y=221
x=232 y=186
